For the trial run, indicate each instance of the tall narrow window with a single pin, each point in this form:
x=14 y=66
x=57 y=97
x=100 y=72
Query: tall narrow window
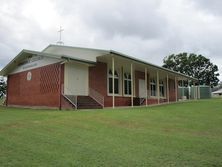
x=153 y=87
x=116 y=82
x=127 y=84
x=161 y=85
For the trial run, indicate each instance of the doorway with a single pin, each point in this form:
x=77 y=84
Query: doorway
x=142 y=88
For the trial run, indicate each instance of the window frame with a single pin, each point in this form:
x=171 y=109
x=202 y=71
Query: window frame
x=110 y=77
x=128 y=85
x=153 y=84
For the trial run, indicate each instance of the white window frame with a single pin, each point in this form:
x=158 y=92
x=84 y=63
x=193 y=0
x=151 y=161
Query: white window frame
x=153 y=83
x=128 y=80
x=115 y=77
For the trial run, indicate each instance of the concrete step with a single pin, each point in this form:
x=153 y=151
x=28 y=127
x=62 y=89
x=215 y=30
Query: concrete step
x=85 y=102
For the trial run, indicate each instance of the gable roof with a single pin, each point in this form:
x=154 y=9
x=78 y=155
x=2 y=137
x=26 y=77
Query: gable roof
x=75 y=52
x=26 y=53
x=87 y=55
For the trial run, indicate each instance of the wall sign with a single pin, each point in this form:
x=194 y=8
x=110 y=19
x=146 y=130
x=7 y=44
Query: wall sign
x=34 y=62
x=29 y=76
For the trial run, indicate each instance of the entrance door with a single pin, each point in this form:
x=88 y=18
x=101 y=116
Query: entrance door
x=76 y=79
x=142 y=88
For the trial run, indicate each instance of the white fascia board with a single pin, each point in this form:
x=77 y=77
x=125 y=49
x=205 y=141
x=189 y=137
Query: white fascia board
x=22 y=55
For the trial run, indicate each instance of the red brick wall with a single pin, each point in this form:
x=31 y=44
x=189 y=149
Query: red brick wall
x=119 y=101
x=42 y=90
x=140 y=75
x=98 y=81
x=98 y=78
x=44 y=87
x=152 y=101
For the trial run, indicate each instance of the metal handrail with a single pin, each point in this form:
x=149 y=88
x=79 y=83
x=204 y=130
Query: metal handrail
x=74 y=101
x=142 y=100
x=96 y=96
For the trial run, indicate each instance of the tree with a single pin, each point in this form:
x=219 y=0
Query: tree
x=196 y=66
x=2 y=87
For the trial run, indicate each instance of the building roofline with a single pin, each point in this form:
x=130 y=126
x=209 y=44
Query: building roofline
x=78 y=60
x=150 y=64
x=3 y=72
x=42 y=53
x=75 y=47
x=13 y=60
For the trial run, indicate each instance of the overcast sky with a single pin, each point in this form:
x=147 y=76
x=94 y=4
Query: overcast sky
x=145 y=29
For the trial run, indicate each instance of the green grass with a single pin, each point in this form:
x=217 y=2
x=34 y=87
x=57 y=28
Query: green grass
x=183 y=134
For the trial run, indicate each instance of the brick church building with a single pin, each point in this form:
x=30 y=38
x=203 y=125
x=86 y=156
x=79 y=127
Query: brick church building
x=70 y=77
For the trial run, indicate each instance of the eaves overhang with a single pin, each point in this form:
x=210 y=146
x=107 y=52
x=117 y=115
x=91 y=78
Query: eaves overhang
x=26 y=53
x=152 y=65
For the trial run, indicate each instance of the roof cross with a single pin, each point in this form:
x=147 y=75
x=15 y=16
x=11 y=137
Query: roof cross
x=60 y=36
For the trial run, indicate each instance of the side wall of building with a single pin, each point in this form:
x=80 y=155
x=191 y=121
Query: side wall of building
x=36 y=87
x=98 y=82
x=43 y=88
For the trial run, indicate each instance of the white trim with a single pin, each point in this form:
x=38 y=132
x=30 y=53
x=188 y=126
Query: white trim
x=123 y=81
x=120 y=81
x=152 y=83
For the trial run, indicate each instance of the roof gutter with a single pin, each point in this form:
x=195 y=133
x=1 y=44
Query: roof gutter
x=79 y=60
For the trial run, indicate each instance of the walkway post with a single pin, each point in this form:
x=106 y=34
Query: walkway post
x=146 y=84
x=176 y=88
x=158 y=86
x=132 y=85
x=188 y=86
x=168 y=95
x=182 y=87
x=113 y=86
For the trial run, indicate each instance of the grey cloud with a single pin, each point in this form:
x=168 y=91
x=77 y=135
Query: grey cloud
x=210 y=6
x=149 y=30
x=128 y=19
x=19 y=32
x=121 y=18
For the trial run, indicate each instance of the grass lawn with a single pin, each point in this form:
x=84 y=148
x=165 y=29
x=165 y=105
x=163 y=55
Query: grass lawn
x=183 y=134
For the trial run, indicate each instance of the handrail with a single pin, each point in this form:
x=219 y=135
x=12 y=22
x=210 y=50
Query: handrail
x=74 y=103
x=96 y=96
x=75 y=99
x=142 y=100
